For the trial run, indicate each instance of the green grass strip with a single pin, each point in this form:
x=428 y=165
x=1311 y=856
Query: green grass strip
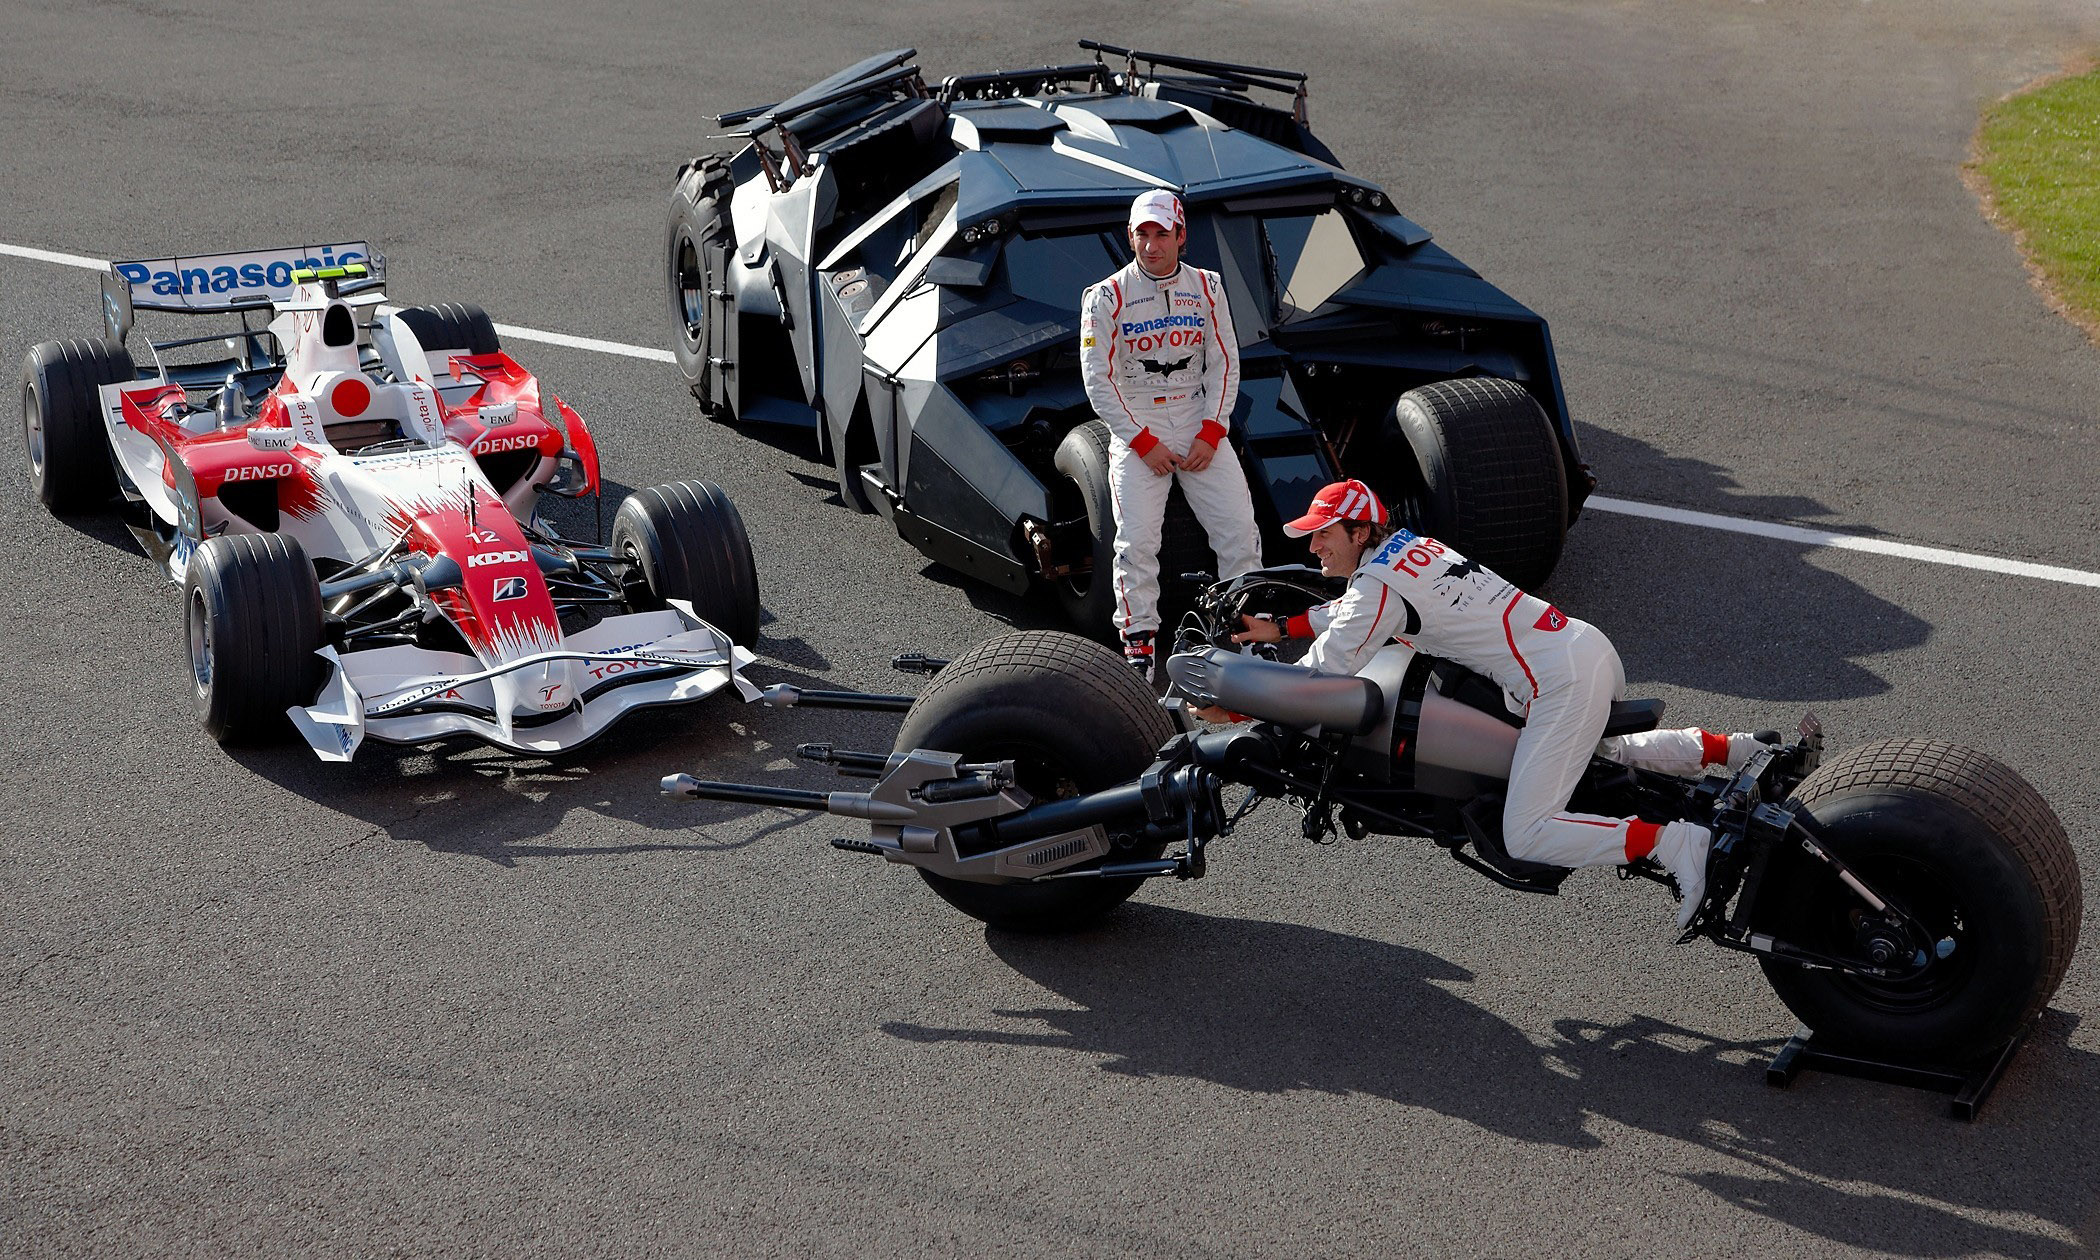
x=2038 y=153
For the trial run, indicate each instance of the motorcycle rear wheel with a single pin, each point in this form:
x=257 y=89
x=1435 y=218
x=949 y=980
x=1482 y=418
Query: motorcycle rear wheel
x=1074 y=719
x=1966 y=847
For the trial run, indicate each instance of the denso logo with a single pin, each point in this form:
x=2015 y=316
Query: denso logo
x=258 y=472
x=1131 y=329
x=229 y=276
x=490 y=445
x=497 y=557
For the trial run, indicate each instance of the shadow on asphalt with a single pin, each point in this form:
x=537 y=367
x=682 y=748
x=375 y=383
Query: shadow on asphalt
x=476 y=801
x=1697 y=608
x=1271 y=1007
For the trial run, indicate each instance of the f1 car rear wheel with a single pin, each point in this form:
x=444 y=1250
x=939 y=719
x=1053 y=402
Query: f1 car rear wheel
x=1966 y=848
x=454 y=326
x=1074 y=719
x=68 y=447
x=699 y=219
x=689 y=541
x=252 y=608
x=1492 y=481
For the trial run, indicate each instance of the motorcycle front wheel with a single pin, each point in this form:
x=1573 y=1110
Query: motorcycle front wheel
x=1074 y=720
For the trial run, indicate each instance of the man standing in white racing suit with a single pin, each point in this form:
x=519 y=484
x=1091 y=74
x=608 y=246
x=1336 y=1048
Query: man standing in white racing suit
x=1161 y=365
x=1560 y=674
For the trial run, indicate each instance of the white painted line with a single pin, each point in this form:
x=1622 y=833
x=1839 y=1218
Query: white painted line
x=1624 y=507
x=1845 y=542
x=52 y=256
x=584 y=343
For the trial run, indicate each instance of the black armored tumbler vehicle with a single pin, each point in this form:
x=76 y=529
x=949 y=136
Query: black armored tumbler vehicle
x=895 y=272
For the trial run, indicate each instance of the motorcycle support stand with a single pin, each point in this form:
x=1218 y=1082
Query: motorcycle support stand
x=1970 y=1083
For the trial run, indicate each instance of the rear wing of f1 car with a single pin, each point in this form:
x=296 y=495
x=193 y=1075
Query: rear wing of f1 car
x=219 y=284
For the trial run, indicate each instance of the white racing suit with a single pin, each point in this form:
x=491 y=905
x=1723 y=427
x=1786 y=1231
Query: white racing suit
x=1559 y=673
x=1161 y=365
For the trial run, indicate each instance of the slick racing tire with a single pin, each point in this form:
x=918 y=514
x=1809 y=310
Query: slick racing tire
x=1074 y=719
x=455 y=326
x=252 y=610
x=68 y=445
x=1963 y=845
x=689 y=542
x=1492 y=482
x=699 y=218
x=1089 y=599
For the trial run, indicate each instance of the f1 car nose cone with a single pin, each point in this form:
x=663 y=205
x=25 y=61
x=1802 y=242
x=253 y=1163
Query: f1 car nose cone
x=537 y=689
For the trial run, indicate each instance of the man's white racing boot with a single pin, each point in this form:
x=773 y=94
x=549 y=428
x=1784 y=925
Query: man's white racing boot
x=1687 y=752
x=1681 y=847
x=1137 y=653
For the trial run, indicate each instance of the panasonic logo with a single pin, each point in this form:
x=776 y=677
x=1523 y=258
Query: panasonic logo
x=1164 y=321
x=229 y=277
x=497 y=557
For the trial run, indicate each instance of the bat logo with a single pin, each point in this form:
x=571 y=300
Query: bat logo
x=1164 y=368
x=1456 y=572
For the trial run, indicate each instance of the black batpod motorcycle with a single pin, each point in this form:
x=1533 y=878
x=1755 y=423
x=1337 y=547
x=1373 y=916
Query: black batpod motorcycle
x=1906 y=898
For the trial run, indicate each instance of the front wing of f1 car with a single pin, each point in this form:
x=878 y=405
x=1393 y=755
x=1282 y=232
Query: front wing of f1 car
x=412 y=695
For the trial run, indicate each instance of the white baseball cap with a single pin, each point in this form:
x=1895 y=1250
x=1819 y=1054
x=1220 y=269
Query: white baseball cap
x=1158 y=206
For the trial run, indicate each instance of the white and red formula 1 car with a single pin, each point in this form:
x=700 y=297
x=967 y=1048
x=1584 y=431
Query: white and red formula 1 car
x=349 y=496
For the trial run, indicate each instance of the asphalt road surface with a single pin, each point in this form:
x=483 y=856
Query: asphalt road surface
x=459 y=1003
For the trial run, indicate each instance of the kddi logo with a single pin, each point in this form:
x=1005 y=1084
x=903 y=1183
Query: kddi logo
x=497 y=557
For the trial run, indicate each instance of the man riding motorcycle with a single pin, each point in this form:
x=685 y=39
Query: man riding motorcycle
x=1560 y=674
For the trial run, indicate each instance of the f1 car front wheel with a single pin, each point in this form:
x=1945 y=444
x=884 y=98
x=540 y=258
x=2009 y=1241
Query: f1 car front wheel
x=62 y=430
x=689 y=542
x=1074 y=719
x=1973 y=855
x=1492 y=482
x=253 y=612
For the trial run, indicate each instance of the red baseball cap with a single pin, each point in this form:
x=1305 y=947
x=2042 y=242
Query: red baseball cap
x=1350 y=500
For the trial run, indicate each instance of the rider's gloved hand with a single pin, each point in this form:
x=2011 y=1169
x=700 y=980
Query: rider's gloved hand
x=1258 y=630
